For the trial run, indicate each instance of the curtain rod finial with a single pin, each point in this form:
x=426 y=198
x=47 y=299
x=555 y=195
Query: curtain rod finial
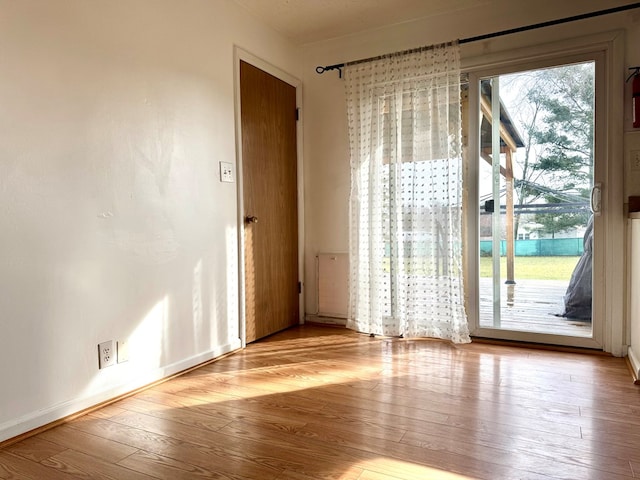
x=320 y=70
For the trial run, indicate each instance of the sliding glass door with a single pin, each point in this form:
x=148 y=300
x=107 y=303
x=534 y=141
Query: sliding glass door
x=535 y=168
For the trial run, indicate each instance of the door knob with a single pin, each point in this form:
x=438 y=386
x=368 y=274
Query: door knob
x=251 y=219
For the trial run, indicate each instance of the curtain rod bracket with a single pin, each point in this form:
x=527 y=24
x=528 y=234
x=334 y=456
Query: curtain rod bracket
x=320 y=70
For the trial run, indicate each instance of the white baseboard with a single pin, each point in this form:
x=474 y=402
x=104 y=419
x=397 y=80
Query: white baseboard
x=326 y=320
x=634 y=360
x=33 y=420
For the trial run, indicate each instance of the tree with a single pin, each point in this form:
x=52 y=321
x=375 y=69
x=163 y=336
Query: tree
x=557 y=125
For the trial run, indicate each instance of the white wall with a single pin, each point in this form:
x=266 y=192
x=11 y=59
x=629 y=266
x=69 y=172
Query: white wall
x=115 y=114
x=326 y=143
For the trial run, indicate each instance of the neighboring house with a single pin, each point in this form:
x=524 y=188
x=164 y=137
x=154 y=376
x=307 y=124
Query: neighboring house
x=534 y=232
x=528 y=230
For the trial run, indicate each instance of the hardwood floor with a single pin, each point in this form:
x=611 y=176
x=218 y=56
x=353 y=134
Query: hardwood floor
x=321 y=402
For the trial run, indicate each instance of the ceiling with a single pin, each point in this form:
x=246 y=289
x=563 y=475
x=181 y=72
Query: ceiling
x=308 y=21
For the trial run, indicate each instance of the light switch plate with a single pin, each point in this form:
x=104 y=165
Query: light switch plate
x=123 y=351
x=226 y=172
x=632 y=163
x=634 y=158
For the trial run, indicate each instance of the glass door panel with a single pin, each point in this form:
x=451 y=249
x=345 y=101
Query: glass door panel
x=536 y=180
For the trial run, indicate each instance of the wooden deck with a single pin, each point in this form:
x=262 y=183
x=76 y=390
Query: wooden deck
x=531 y=306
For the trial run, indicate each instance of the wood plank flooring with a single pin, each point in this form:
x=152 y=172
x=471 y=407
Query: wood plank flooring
x=326 y=403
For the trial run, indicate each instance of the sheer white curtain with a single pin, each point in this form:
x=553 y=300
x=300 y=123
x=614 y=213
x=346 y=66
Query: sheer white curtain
x=406 y=195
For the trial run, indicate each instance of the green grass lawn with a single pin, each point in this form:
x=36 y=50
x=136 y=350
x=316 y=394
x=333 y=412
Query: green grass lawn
x=537 y=268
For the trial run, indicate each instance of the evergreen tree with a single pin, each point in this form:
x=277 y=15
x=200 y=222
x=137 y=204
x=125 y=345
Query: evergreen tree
x=557 y=126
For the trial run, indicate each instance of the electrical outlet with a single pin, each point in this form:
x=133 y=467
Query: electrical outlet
x=226 y=172
x=123 y=351
x=106 y=354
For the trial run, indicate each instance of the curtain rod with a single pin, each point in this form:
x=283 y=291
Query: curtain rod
x=339 y=66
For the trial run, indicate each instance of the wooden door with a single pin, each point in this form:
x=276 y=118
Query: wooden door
x=269 y=176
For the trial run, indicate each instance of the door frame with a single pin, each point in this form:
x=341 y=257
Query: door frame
x=609 y=298
x=240 y=54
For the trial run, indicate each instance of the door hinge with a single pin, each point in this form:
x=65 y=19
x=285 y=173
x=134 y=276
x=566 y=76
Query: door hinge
x=299 y=287
x=297 y=114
